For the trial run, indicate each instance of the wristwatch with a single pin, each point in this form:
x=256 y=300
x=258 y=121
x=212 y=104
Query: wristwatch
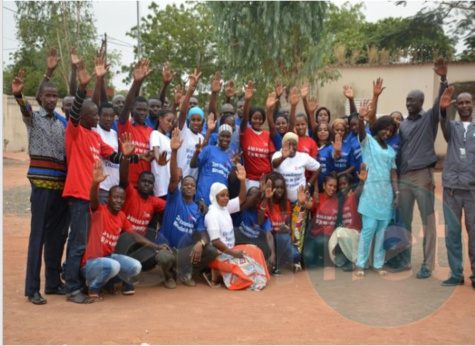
x=203 y=242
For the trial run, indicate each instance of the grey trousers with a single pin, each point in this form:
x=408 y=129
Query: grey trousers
x=454 y=202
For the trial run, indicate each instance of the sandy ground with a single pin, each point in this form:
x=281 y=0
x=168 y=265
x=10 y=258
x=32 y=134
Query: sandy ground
x=325 y=306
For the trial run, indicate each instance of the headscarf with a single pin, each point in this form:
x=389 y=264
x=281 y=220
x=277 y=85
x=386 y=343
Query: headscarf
x=195 y=110
x=215 y=189
x=288 y=136
x=225 y=127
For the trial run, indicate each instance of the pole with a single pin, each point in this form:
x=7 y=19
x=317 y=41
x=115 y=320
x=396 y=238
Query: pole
x=139 y=39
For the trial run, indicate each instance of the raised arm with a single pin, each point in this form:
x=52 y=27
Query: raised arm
x=229 y=91
x=241 y=174
x=127 y=151
x=215 y=88
x=440 y=68
x=364 y=109
x=348 y=92
x=192 y=82
x=248 y=92
x=279 y=90
x=101 y=70
x=52 y=61
x=177 y=97
x=141 y=71
x=377 y=90
x=294 y=100
x=304 y=90
x=271 y=101
x=73 y=75
x=198 y=149
x=211 y=126
x=97 y=178
x=17 y=88
x=167 y=75
x=175 y=144
x=312 y=107
x=84 y=79
x=285 y=154
x=445 y=102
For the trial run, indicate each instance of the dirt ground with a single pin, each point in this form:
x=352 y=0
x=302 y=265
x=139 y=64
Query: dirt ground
x=324 y=306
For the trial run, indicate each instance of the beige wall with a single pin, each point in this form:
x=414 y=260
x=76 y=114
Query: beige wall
x=398 y=80
x=15 y=137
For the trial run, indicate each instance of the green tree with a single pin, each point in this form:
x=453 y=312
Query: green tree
x=267 y=41
x=181 y=35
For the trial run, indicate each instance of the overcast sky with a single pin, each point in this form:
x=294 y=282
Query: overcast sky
x=117 y=17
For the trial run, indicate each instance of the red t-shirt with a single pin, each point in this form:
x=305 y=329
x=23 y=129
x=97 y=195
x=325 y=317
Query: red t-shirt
x=278 y=217
x=83 y=148
x=308 y=146
x=325 y=215
x=351 y=218
x=104 y=233
x=141 y=140
x=256 y=149
x=139 y=211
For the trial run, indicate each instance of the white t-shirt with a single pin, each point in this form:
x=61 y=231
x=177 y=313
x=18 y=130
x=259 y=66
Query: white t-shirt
x=186 y=151
x=219 y=224
x=111 y=138
x=293 y=171
x=161 y=173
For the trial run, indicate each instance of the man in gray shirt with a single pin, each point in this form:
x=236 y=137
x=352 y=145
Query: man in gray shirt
x=458 y=179
x=416 y=160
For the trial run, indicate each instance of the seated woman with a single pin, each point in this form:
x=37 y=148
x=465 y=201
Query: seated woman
x=343 y=244
x=240 y=266
x=255 y=230
x=325 y=206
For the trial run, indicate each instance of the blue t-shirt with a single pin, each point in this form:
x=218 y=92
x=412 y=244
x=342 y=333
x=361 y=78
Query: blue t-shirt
x=249 y=226
x=151 y=123
x=277 y=140
x=180 y=219
x=214 y=167
x=346 y=160
x=357 y=159
x=326 y=163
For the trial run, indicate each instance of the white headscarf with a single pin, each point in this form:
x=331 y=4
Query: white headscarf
x=225 y=127
x=215 y=189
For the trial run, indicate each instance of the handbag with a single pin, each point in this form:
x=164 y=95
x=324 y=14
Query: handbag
x=396 y=237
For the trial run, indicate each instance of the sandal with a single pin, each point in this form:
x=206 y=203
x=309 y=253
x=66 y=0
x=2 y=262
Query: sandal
x=210 y=282
x=381 y=272
x=79 y=298
x=95 y=297
x=359 y=272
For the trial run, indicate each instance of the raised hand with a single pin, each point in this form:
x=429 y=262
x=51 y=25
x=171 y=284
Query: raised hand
x=302 y=195
x=279 y=89
x=237 y=158
x=249 y=90
x=100 y=67
x=269 y=191
x=52 y=59
x=84 y=76
x=446 y=98
x=74 y=58
x=348 y=92
x=193 y=79
x=229 y=90
x=241 y=172
x=141 y=70
x=365 y=107
x=304 y=90
x=97 y=173
x=285 y=150
x=312 y=104
x=211 y=122
x=216 y=83
x=440 y=67
x=337 y=144
x=178 y=94
x=17 y=84
x=363 y=173
x=199 y=146
x=176 y=142
x=162 y=159
x=167 y=73
x=378 y=87
x=271 y=100
x=294 y=96
x=127 y=145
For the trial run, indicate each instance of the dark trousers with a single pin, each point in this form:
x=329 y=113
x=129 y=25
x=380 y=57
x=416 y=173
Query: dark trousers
x=315 y=251
x=80 y=222
x=260 y=241
x=49 y=229
x=454 y=202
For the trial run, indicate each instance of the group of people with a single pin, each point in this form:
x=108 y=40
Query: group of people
x=224 y=198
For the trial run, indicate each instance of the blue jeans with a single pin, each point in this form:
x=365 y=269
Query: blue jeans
x=315 y=251
x=372 y=228
x=80 y=221
x=98 y=271
x=285 y=252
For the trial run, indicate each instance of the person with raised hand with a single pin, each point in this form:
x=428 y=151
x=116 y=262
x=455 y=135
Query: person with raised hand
x=458 y=180
x=239 y=266
x=256 y=144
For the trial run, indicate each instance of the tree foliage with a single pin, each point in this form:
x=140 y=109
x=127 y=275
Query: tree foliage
x=42 y=25
x=182 y=35
x=270 y=40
